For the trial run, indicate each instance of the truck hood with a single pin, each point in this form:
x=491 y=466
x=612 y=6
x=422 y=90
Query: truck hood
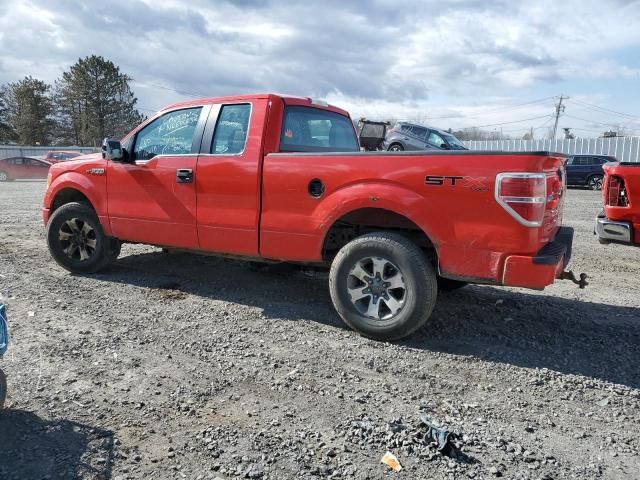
x=79 y=164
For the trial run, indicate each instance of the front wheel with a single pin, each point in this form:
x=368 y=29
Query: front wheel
x=595 y=182
x=4 y=177
x=76 y=240
x=383 y=286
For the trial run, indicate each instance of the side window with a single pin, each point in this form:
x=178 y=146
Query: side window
x=308 y=129
x=435 y=139
x=171 y=134
x=570 y=161
x=420 y=132
x=405 y=129
x=18 y=161
x=231 y=130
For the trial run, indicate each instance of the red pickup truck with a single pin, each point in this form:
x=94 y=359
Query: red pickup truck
x=276 y=178
x=619 y=222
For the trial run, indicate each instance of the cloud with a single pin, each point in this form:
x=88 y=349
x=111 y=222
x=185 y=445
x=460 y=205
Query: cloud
x=399 y=54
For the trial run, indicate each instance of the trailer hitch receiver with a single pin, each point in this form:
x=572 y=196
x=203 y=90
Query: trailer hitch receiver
x=582 y=282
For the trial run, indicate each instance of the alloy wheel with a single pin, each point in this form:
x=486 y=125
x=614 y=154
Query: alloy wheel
x=77 y=239
x=377 y=288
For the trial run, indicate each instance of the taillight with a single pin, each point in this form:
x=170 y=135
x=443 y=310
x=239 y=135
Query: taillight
x=616 y=192
x=523 y=195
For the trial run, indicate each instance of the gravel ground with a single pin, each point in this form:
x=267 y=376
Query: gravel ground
x=181 y=366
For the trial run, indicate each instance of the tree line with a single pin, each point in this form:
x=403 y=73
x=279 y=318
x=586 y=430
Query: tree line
x=90 y=101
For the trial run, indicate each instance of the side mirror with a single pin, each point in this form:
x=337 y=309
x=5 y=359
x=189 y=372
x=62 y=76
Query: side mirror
x=112 y=150
x=444 y=146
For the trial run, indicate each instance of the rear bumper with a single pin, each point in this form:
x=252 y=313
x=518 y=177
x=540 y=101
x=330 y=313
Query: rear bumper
x=542 y=269
x=613 y=231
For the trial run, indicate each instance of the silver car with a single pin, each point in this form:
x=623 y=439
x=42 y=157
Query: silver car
x=409 y=136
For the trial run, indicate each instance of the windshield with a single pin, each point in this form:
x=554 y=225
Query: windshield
x=454 y=142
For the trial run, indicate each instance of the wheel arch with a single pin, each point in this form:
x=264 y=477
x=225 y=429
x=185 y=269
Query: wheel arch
x=68 y=195
x=361 y=219
x=74 y=187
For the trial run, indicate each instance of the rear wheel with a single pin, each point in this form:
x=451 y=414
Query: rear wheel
x=595 y=182
x=4 y=177
x=383 y=286
x=396 y=147
x=76 y=240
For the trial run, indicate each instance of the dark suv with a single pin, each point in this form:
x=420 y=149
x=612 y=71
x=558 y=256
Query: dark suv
x=409 y=136
x=586 y=170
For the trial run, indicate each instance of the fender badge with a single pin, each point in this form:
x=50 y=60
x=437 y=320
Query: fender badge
x=96 y=171
x=477 y=184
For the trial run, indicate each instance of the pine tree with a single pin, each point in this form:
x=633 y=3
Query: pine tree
x=94 y=101
x=29 y=111
x=6 y=132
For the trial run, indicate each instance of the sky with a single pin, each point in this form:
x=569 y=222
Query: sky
x=493 y=64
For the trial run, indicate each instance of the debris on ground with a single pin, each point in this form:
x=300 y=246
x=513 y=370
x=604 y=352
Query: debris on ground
x=391 y=461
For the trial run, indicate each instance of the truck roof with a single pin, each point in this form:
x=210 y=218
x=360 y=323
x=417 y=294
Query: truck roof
x=287 y=99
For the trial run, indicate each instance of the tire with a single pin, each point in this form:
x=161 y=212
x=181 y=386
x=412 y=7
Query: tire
x=3 y=389
x=401 y=263
x=396 y=147
x=4 y=177
x=449 y=285
x=74 y=232
x=115 y=246
x=594 y=182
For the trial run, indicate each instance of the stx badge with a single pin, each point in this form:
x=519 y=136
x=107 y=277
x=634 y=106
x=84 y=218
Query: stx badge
x=477 y=184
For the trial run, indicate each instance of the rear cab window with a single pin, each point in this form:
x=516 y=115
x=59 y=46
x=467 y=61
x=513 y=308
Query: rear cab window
x=308 y=129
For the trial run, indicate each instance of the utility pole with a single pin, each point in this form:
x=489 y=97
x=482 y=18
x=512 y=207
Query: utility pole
x=559 y=110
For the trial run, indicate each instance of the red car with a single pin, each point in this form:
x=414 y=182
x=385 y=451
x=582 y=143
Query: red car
x=620 y=220
x=16 y=168
x=282 y=178
x=56 y=156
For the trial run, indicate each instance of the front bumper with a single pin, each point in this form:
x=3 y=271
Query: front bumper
x=613 y=230
x=542 y=269
x=46 y=213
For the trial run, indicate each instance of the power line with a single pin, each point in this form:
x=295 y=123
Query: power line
x=181 y=92
x=596 y=107
x=498 y=110
x=508 y=123
x=593 y=121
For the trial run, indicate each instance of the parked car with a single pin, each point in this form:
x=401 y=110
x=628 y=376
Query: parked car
x=619 y=221
x=409 y=136
x=16 y=168
x=55 y=156
x=586 y=170
x=283 y=179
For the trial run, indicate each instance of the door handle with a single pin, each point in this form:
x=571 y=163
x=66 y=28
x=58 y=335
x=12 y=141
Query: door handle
x=184 y=175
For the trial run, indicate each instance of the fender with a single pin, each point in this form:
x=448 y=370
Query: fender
x=94 y=188
x=384 y=195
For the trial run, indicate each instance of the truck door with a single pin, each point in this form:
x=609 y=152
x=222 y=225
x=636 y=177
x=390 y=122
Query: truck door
x=152 y=198
x=228 y=177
